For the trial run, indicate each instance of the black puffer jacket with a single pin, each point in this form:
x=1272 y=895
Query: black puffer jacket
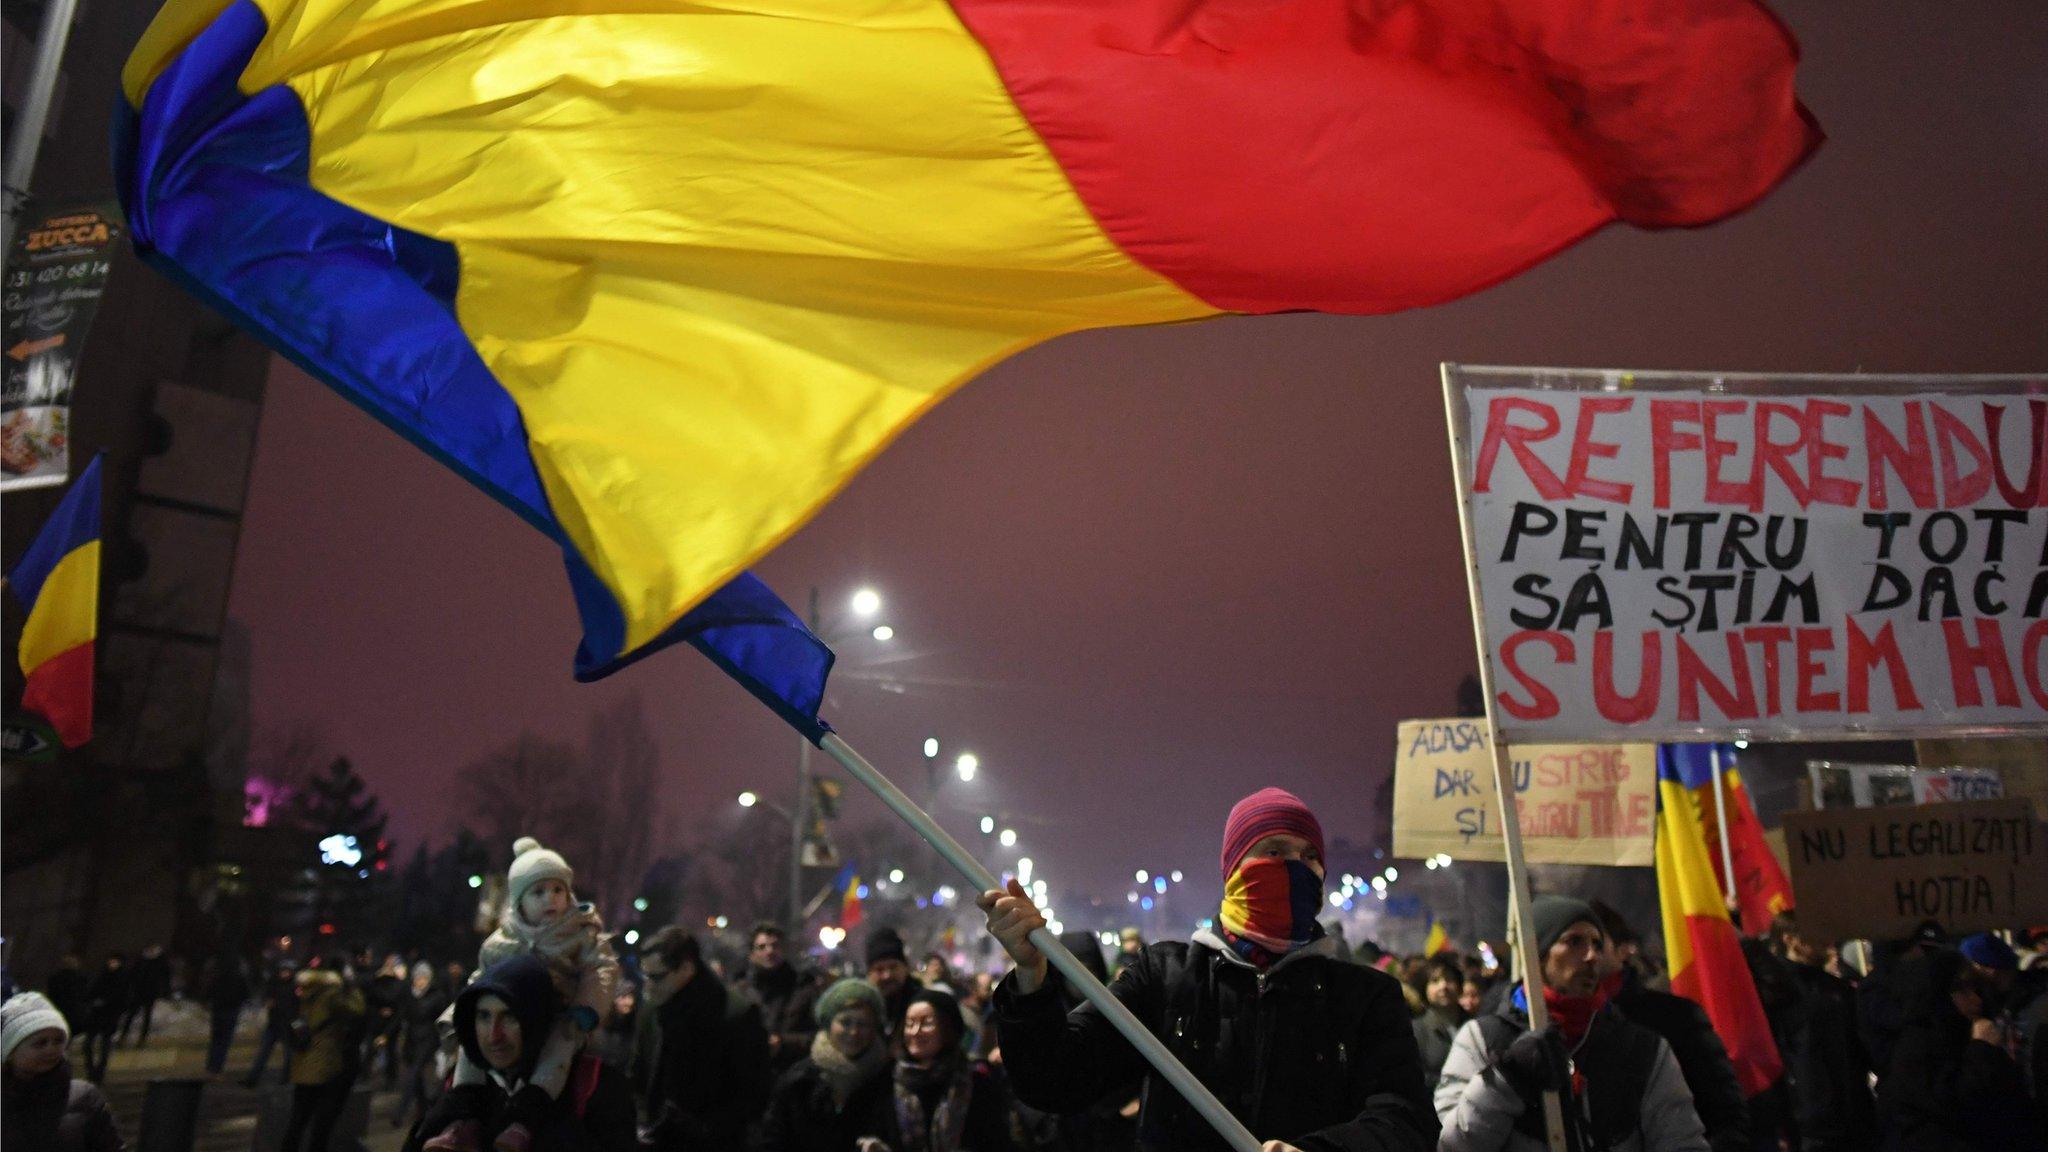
x=1317 y=1050
x=1948 y=1092
x=708 y=1078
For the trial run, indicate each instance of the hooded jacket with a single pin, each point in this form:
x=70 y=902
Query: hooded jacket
x=1946 y=1091
x=330 y=1017
x=1315 y=1050
x=1635 y=1097
x=594 y=1112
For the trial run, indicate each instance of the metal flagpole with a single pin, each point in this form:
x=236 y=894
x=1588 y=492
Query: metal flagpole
x=1524 y=942
x=1728 y=895
x=1079 y=978
x=27 y=133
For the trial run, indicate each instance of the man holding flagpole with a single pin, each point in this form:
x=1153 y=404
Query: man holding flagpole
x=1266 y=1010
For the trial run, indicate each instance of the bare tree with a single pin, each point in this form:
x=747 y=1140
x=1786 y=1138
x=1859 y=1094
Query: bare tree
x=624 y=770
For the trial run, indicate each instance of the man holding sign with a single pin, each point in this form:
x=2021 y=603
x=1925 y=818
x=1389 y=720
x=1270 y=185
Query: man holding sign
x=1266 y=1010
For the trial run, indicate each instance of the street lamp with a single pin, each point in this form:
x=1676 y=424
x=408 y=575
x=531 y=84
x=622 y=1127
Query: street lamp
x=748 y=799
x=883 y=632
x=867 y=602
x=1008 y=838
x=966 y=766
x=988 y=825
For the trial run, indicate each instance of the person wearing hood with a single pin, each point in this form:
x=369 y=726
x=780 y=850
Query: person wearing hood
x=503 y=1021
x=1620 y=1086
x=1953 y=1084
x=786 y=995
x=41 y=1106
x=1306 y=1048
x=822 y=1103
x=328 y=1034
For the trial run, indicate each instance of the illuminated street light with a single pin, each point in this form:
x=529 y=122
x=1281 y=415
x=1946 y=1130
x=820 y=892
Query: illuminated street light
x=1143 y=876
x=1393 y=874
x=475 y=881
x=988 y=825
x=1008 y=839
x=639 y=905
x=895 y=875
x=1176 y=875
x=1130 y=897
x=748 y=799
x=966 y=766
x=1024 y=870
x=1336 y=899
x=867 y=602
x=884 y=632
x=632 y=936
x=931 y=747
x=1159 y=885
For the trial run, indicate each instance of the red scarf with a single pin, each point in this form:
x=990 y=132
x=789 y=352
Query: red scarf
x=1574 y=1014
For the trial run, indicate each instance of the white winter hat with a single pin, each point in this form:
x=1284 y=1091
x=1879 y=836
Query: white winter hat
x=532 y=864
x=23 y=1016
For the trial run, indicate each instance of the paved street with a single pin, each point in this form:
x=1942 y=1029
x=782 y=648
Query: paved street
x=229 y=1113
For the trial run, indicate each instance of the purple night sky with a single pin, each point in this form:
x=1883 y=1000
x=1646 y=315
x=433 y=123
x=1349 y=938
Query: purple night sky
x=1141 y=573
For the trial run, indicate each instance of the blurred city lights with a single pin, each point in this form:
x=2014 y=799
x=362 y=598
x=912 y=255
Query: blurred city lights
x=966 y=765
x=1176 y=875
x=1143 y=875
x=748 y=799
x=1008 y=839
x=476 y=881
x=988 y=825
x=1159 y=885
x=867 y=602
x=931 y=747
x=1024 y=870
x=632 y=936
x=884 y=632
x=830 y=935
x=895 y=875
x=1146 y=903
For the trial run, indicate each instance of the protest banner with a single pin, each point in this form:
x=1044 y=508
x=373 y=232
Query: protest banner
x=1844 y=785
x=55 y=277
x=1875 y=873
x=1682 y=557
x=1577 y=803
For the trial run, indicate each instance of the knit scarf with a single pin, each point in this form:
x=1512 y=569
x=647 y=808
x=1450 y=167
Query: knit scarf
x=844 y=1074
x=942 y=1128
x=1573 y=1015
x=1269 y=908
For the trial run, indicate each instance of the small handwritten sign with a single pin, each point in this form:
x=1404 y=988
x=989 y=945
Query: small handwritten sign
x=1579 y=803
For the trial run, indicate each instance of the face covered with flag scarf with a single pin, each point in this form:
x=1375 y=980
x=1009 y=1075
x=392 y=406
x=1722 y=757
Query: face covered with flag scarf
x=1271 y=898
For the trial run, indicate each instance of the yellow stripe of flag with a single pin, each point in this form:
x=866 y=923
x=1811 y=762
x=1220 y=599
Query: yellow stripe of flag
x=67 y=610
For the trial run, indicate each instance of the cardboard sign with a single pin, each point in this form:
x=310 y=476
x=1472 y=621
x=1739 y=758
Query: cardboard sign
x=1875 y=873
x=1579 y=803
x=1681 y=557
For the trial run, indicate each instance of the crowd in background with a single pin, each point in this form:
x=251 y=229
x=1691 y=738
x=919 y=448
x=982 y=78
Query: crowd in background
x=1926 y=1043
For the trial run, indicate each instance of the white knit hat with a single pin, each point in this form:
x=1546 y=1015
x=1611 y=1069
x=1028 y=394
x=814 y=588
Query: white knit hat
x=532 y=864
x=23 y=1016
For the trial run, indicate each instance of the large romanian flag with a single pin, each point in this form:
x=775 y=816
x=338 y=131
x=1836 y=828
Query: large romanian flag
x=1762 y=890
x=663 y=277
x=1700 y=942
x=58 y=582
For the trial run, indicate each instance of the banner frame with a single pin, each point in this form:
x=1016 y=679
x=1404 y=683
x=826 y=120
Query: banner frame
x=1458 y=382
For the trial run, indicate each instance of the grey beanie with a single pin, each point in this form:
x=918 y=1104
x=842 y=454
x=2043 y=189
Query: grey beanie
x=1554 y=914
x=848 y=993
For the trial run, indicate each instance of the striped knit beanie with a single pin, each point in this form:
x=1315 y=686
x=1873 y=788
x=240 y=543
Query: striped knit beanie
x=1264 y=813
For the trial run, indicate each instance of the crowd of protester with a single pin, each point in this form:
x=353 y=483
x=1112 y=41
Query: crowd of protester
x=548 y=1042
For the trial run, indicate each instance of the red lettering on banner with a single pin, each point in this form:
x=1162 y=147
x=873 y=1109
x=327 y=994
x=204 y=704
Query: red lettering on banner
x=1501 y=429
x=1826 y=489
x=1960 y=488
x=1543 y=703
x=2030 y=661
x=1865 y=654
x=1965 y=660
x=1719 y=491
x=1811 y=642
x=2028 y=495
x=1577 y=481
x=1665 y=438
x=1613 y=706
x=1770 y=455
x=1694 y=676
x=1913 y=462
x=1770 y=637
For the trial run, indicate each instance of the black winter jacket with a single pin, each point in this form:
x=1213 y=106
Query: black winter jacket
x=54 y=1113
x=803 y=1118
x=1702 y=1059
x=788 y=999
x=1316 y=1050
x=1826 y=1073
x=706 y=1078
x=1947 y=1092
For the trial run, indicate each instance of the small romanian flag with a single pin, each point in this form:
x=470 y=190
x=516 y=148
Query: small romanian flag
x=1438 y=940
x=849 y=901
x=58 y=581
